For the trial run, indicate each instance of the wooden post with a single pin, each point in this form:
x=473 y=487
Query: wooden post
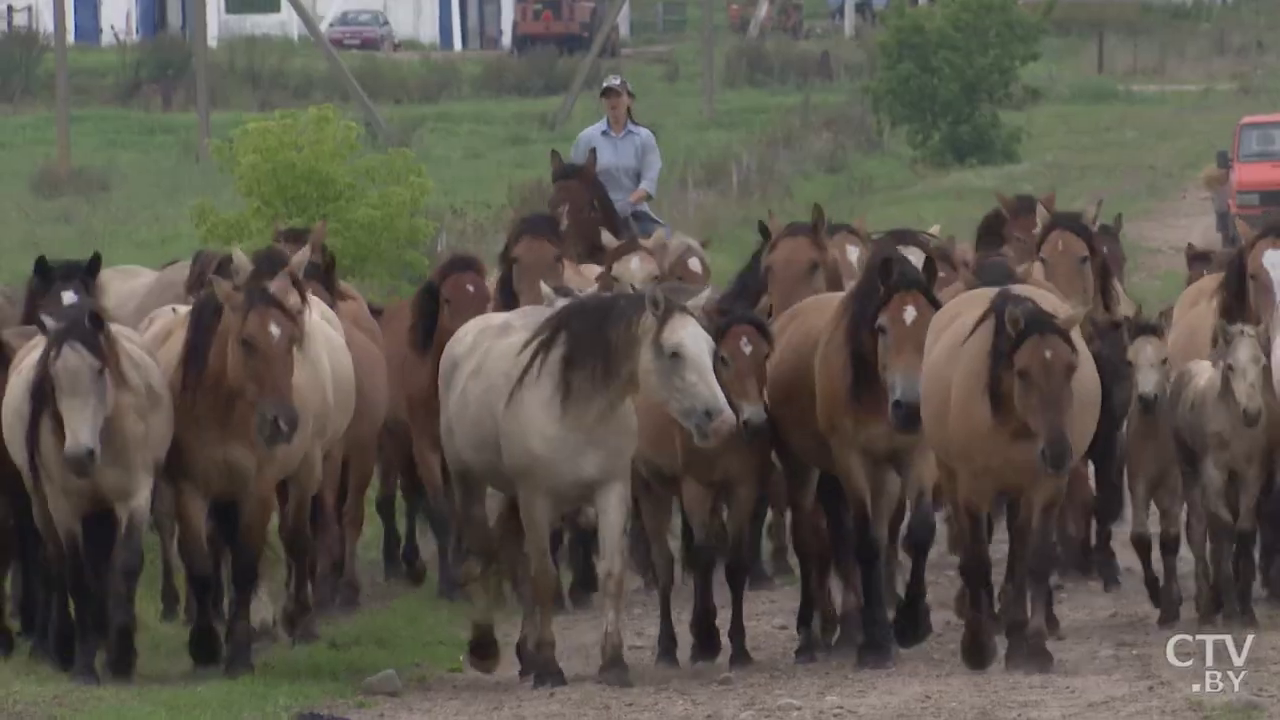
x=62 y=88
x=708 y=59
x=850 y=14
x=200 y=60
x=757 y=18
x=372 y=118
x=584 y=65
x=1102 y=40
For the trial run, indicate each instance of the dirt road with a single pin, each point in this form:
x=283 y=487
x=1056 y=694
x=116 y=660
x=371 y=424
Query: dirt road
x=1110 y=665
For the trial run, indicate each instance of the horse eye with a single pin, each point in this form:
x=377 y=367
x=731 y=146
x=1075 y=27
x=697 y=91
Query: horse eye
x=1231 y=367
x=246 y=345
x=1164 y=362
x=559 y=259
x=1041 y=259
x=1022 y=375
x=723 y=359
x=1084 y=259
x=881 y=329
x=674 y=355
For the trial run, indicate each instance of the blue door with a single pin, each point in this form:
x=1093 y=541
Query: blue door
x=148 y=17
x=88 y=26
x=446 y=24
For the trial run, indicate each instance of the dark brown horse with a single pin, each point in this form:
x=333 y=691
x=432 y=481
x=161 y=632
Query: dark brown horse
x=1010 y=227
x=1202 y=261
x=582 y=205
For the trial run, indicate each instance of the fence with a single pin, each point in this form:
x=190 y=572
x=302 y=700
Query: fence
x=19 y=17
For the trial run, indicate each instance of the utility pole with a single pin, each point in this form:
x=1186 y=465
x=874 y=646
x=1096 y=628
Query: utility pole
x=757 y=19
x=584 y=65
x=850 y=19
x=62 y=88
x=199 y=16
x=708 y=59
x=372 y=118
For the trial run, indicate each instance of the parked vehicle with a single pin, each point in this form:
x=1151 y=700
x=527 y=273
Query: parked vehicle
x=362 y=30
x=1254 y=181
x=570 y=25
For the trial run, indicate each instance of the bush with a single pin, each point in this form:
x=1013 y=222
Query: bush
x=303 y=166
x=48 y=183
x=21 y=53
x=945 y=70
x=760 y=63
x=536 y=73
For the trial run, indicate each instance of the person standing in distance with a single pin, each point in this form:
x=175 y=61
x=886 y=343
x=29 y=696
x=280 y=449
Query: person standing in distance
x=627 y=158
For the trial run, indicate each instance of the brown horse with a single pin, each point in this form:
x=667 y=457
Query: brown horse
x=1201 y=261
x=415 y=332
x=20 y=543
x=1010 y=227
x=340 y=520
x=843 y=393
x=581 y=203
x=797 y=262
x=1010 y=397
x=1107 y=236
x=258 y=374
x=533 y=253
x=668 y=464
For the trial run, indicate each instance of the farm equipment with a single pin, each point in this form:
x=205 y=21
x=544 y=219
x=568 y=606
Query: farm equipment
x=1254 y=180
x=570 y=25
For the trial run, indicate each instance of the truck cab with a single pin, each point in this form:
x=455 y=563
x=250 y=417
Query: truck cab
x=1253 y=163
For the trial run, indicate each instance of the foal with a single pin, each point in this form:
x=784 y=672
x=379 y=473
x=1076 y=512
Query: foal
x=1219 y=432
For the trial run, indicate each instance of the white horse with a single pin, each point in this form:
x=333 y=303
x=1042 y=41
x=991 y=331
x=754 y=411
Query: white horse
x=540 y=407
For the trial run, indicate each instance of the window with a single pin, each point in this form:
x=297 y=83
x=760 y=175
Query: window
x=359 y=18
x=252 y=7
x=1260 y=142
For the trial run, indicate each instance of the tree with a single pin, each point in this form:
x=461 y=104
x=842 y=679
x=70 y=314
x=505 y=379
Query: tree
x=301 y=167
x=944 y=72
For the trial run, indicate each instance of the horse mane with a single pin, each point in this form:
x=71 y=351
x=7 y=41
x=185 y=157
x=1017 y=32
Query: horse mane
x=990 y=233
x=76 y=328
x=543 y=225
x=574 y=172
x=739 y=316
x=295 y=236
x=1145 y=327
x=59 y=272
x=1036 y=321
x=898 y=237
x=204 y=265
x=798 y=228
x=425 y=308
x=1074 y=223
x=863 y=304
x=598 y=333
x=748 y=287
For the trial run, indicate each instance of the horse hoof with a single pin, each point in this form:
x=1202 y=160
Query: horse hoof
x=238 y=668
x=6 y=643
x=392 y=571
x=580 y=599
x=615 y=674
x=87 y=676
x=553 y=678
x=912 y=624
x=122 y=657
x=416 y=572
x=348 y=597
x=1110 y=584
x=699 y=654
x=875 y=656
x=204 y=645
x=977 y=649
x=1029 y=659
x=740 y=659
x=483 y=654
x=1168 y=617
x=667 y=659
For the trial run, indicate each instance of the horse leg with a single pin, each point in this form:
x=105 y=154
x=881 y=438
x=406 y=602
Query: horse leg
x=326 y=530
x=1140 y=533
x=1037 y=566
x=26 y=581
x=295 y=534
x=83 y=553
x=759 y=577
x=1246 y=534
x=977 y=643
x=439 y=518
x=870 y=522
x=698 y=504
x=245 y=526
x=613 y=506
x=1108 y=472
x=911 y=621
x=840 y=553
x=162 y=512
x=1222 y=534
x=801 y=485
x=415 y=500
x=479 y=557
x=1013 y=601
x=389 y=472
x=585 y=582
x=777 y=493
x=738 y=563
x=654 y=507
x=1169 y=503
x=360 y=466
x=122 y=616
x=638 y=543
x=536 y=516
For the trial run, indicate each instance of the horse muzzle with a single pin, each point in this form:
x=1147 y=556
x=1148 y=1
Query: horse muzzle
x=80 y=461
x=711 y=429
x=1147 y=402
x=276 y=424
x=753 y=419
x=1055 y=455
x=904 y=415
x=1251 y=417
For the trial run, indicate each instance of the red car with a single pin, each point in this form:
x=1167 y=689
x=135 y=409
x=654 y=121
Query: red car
x=362 y=30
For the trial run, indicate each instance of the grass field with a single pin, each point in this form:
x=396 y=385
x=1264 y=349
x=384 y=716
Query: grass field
x=786 y=147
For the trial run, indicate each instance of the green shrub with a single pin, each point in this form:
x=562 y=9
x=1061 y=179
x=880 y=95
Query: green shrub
x=536 y=73
x=303 y=166
x=945 y=70
x=21 y=53
x=760 y=63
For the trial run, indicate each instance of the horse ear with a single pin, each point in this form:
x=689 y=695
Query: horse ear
x=548 y=295
x=886 y=270
x=930 y=270
x=1091 y=218
x=223 y=288
x=241 y=265
x=761 y=228
x=298 y=263
x=94 y=266
x=1073 y=319
x=818 y=220
x=1118 y=222
x=319 y=231
x=1006 y=203
x=608 y=240
x=557 y=161
x=1245 y=232
x=590 y=164
x=15 y=338
x=861 y=227
x=1190 y=251
x=698 y=302
x=935 y=229
x=1050 y=201
x=42 y=270
x=1024 y=271
x=655 y=302
x=1043 y=216
x=1014 y=321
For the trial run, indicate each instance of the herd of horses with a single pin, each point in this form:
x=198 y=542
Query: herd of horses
x=856 y=382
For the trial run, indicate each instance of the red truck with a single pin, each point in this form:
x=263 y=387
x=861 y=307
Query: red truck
x=1253 y=163
x=570 y=25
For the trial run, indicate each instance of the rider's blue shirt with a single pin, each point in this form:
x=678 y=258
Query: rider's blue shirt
x=623 y=162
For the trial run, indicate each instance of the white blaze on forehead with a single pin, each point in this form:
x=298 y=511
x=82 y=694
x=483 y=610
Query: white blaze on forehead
x=471 y=288
x=635 y=263
x=694 y=264
x=745 y=344
x=909 y=314
x=853 y=252
x=914 y=254
x=274 y=329
x=1048 y=354
x=69 y=297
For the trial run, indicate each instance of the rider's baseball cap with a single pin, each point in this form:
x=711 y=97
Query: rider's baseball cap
x=616 y=82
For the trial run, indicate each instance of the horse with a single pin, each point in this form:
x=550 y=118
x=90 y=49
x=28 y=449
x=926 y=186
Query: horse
x=667 y=256
x=263 y=390
x=1009 y=398
x=416 y=332
x=1107 y=236
x=19 y=537
x=843 y=396
x=1070 y=260
x=797 y=261
x=582 y=205
x=1010 y=227
x=668 y=464
x=1152 y=467
x=532 y=254
x=849 y=244
x=340 y=520
x=1220 y=433
x=58 y=283
x=1202 y=261
x=87 y=419
x=540 y=402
